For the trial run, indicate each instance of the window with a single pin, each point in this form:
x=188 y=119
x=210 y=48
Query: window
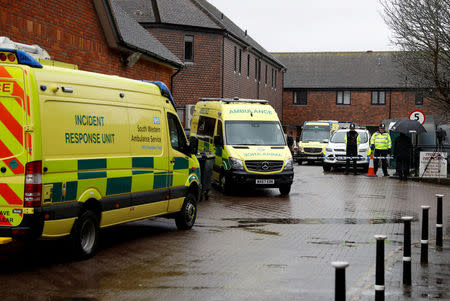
x=219 y=129
x=378 y=97
x=300 y=97
x=272 y=78
x=189 y=48
x=235 y=58
x=256 y=68
x=177 y=137
x=419 y=97
x=275 y=79
x=240 y=61
x=343 y=97
x=259 y=70
x=248 y=65
x=205 y=130
x=265 y=75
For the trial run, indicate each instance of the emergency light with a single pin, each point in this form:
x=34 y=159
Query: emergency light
x=18 y=56
x=164 y=90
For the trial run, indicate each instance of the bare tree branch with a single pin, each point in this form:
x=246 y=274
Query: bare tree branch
x=421 y=29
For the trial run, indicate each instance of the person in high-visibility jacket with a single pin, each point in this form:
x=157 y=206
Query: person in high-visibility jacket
x=380 y=142
x=352 y=142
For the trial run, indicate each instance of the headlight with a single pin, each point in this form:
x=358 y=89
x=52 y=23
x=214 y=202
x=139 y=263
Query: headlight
x=288 y=164
x=236 y=163
x=363 y=150
x=329 y=149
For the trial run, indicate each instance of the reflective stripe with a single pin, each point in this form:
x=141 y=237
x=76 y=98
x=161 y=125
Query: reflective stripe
x=424 y=241
x=379 y=287
x=406 y=258
x=438 y=225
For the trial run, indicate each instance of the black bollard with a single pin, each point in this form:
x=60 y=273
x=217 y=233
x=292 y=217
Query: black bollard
x=339 y=289
x=379 y=273
x=424 y=240
x=407 y=250
x=439 y=220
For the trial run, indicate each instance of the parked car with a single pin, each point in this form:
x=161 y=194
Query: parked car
x=335 y=152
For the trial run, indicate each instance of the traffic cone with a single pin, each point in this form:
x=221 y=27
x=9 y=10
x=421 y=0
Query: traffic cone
x=371 y=170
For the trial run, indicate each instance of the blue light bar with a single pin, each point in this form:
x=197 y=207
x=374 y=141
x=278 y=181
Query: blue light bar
x=24 y=58
x=164 y=90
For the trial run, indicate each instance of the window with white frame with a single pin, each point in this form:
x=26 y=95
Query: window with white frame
x=343 y=97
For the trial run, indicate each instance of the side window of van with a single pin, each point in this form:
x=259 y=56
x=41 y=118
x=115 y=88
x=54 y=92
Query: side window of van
x=177 y=138
x=206 y=128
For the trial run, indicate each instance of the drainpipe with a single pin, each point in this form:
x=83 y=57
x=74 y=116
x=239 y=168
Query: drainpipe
x=390 y=103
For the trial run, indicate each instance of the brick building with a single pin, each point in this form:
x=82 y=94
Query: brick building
x=220 y=59
x=96 y=35
x=363 y=87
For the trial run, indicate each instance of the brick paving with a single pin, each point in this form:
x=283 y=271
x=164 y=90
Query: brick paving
x=255 y=245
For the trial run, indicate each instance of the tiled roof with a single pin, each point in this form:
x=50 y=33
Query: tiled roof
x=134 y=36
x=196 y=13
x=341 y=70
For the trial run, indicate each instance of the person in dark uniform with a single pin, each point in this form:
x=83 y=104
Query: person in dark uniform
x=352 y=142
x=402 y=155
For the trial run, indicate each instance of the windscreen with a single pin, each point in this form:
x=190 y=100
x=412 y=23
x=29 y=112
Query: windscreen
x=254 y=133
x=315 y=133
x=339 y=137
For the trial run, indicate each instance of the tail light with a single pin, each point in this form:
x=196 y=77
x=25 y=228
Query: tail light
x=33 y=184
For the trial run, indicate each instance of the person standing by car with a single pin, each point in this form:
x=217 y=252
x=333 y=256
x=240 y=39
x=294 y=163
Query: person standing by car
x=402 y=155
x=352 y=142
x=381 y=144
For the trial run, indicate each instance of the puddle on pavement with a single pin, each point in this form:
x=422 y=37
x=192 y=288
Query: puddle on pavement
x=275 y=266
x=311 y=221
x=350 y=244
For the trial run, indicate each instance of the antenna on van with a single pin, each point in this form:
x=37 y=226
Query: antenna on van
x=34 y=50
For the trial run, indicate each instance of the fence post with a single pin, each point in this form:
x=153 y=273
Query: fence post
x=424 y=240
x=339 y=290
x=407 y=250
x=379 y=272
x=439 y=220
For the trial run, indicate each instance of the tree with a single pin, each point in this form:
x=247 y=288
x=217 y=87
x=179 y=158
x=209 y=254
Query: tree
x=421 y=30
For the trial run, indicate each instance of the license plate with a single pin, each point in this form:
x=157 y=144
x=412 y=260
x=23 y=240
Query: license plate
x=265 y=181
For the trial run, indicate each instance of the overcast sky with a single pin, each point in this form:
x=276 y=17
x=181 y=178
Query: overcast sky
x=310 y=25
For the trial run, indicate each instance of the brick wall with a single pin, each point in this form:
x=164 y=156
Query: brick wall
x=243 y=84
x=202 y=77
x=322 y=105
x=71 y=32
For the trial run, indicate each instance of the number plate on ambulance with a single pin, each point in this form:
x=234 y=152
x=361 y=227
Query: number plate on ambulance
x=265 y=181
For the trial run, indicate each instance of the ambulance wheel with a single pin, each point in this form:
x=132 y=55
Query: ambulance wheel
x=285 y=189
x=326 y=167
x=299 y=162
x=225 y=184
x=185 y=219
x=85 y=235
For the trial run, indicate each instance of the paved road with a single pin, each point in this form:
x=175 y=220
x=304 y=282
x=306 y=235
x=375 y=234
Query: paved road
x=255 y=245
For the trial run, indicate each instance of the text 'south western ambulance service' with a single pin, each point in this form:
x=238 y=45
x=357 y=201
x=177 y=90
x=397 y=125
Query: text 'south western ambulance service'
x=248 y=142
x=81 y=151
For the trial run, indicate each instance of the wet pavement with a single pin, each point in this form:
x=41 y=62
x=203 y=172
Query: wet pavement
x=255 y=245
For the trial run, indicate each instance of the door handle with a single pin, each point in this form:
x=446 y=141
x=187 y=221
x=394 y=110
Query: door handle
x=172 y=161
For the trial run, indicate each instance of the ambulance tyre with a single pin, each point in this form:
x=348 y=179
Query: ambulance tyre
x=185 y=219
x=85 y=235
x=326 y=167
x=285 y=189
x=224 y=183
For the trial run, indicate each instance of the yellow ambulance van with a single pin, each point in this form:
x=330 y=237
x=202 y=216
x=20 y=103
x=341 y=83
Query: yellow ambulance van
x=248 y=142
x=314 y=139
x=81 y=151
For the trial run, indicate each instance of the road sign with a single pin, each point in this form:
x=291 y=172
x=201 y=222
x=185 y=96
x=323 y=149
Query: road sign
x=417 y=115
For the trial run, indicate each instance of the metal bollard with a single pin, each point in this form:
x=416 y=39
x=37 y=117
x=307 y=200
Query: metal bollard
x=407 y=250
x=339 y=289
x=379 y=272
x=439 y=220
x=424 y=240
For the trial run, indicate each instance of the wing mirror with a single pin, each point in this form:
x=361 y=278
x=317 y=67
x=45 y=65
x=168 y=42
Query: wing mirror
x=193 y=145
x=218 y=141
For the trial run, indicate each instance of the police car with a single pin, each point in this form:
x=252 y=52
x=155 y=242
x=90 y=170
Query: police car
x=335 y=151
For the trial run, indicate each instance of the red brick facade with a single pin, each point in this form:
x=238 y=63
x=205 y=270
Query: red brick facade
x=321 y=105
x=71 y=32
x=211 y=74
